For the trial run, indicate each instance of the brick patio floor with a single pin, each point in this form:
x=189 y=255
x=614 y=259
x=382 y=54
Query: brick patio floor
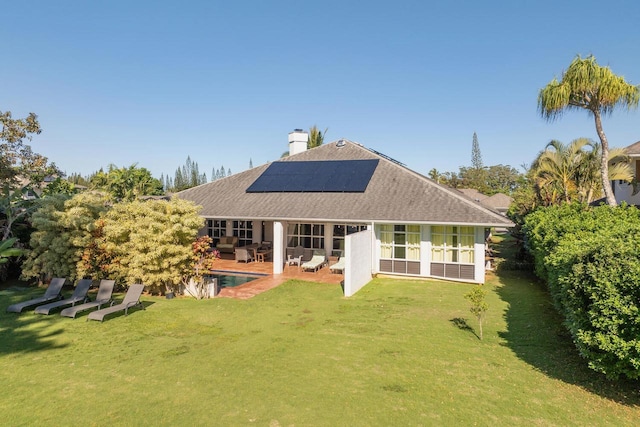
x=228 y=264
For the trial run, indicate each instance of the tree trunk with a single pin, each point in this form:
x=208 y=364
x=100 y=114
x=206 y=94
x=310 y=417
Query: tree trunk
x=604 y=164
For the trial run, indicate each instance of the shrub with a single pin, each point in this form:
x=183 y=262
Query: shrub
x=590 y=259
x=151 y=241
x=596 y=282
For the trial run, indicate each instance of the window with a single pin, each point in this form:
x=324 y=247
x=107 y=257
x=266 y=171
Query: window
x=216 y=229
x=306 y=235
x=400 y=241
x=452 y=244
x=243 y=230
x=342 y=230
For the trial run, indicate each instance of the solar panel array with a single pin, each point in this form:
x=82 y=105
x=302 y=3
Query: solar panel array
x=328 y=176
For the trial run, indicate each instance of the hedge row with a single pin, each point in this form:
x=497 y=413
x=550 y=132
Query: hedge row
x=590 y=259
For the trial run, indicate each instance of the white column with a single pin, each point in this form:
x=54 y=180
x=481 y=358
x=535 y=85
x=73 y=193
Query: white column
x=278 y=247
x=479 y=255
x=425 y=251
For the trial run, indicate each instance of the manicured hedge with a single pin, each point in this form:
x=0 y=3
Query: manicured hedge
x=590 y=259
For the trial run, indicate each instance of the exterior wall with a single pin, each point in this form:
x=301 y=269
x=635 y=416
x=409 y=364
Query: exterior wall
x=358 y=261
x=623 y=193
x=447 y=271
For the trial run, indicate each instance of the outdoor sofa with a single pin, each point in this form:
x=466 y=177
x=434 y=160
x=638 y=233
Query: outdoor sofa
x=227 y=244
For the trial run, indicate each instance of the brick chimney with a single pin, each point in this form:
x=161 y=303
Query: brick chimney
x=298 y=141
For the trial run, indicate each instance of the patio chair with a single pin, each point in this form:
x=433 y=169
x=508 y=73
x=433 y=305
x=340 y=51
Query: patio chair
x=52 y=293
x=318 y=260
x=104 y=297
x=244 y=254
x=131 y=299
x=79 y=294
x=296 y=258
x=338 y=267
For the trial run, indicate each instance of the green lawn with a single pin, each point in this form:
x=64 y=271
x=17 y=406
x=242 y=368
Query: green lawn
x=399 y=352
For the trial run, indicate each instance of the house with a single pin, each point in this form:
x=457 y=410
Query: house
x=354 y=202
x=624 y=191
x=472 y=193
x=499 y=202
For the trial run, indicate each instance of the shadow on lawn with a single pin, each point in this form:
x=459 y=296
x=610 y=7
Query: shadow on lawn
x=462 y=324
x=26 y=334
x=535 y=333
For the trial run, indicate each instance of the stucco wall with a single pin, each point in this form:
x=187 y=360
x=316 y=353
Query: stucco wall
x=358 y=262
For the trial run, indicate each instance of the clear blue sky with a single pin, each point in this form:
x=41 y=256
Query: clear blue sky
x=152 y=82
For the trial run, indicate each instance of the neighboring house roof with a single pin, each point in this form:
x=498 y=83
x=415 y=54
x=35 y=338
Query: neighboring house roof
x=498 y=201
x=473 y=194
x=633 y=150
x=394 y=193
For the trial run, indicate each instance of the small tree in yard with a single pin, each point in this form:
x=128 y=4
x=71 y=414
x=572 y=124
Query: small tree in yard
x=478 y=304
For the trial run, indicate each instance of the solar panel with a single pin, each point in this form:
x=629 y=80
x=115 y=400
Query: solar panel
x=328 y=176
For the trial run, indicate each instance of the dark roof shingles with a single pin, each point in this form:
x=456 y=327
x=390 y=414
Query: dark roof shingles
x=394 y=193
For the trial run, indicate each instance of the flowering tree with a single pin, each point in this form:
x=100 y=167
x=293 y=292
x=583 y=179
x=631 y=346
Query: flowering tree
x=203 y=259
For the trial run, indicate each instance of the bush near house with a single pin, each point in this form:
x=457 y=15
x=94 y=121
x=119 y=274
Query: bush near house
x=146 y=242
x=590 y=259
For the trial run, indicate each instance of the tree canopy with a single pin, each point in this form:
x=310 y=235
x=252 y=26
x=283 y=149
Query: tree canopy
x=587 y=86
x=125 y=184
x=22 y=171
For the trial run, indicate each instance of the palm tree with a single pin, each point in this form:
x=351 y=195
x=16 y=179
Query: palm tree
x=572 y=172
x=555 y=169
x=316 y=137
x=587 y=86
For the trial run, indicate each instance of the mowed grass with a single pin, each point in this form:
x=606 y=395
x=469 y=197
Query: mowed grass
x=399 y=352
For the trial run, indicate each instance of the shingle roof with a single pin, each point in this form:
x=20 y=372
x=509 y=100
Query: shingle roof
x=633 y=149
x=472 y=193
x=497 y=201
x=395 y=194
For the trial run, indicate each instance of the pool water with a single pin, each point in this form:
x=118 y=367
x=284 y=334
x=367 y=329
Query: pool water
x=229 y=281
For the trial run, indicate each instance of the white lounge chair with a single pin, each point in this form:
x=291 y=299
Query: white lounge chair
x=318 y=260
x=338 y=267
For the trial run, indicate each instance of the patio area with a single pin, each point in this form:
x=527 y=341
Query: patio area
x=228 y=264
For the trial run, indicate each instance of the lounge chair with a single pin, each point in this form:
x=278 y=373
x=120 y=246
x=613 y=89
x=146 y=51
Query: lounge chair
x=244 y=254
x=52 y=293
x=338 y=267
x=296 y=257
x=131 y=299
x=318 y=260
x=104 y=297
x=79 y=294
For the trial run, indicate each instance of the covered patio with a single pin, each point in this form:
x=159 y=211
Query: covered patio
x=228 y=265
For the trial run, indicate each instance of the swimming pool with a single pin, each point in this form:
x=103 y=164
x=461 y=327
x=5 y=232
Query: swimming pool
x=230 y=279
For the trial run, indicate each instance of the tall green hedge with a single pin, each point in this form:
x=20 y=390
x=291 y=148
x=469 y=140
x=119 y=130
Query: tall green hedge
x=590 y=259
